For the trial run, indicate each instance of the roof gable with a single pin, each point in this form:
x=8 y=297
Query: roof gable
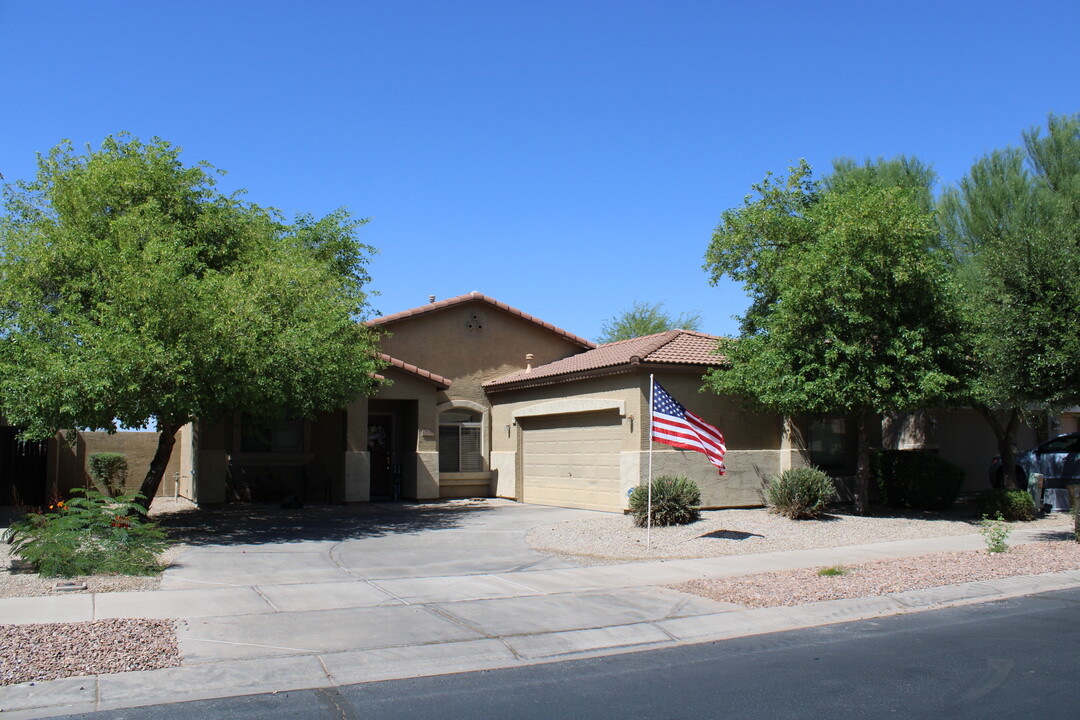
x=478 y=297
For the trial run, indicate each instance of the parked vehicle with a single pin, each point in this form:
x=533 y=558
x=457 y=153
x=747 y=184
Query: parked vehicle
x=1058 y=459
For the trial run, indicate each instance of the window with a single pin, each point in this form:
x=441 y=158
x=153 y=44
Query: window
x=459 y=442
x=828 y=443
x=283 y=436
x=1060 y=445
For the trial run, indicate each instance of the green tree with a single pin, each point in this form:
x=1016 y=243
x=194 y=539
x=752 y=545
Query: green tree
x=851 y=306
x=643 y=318
x=901 y=171
x=132 y=291
x=1013 y=223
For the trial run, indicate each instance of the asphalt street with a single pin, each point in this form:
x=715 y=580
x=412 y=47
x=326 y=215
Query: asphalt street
x=1008 y=658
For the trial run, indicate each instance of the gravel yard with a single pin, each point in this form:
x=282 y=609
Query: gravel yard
x=797 y=587
x=615 y=539
x=34 y=653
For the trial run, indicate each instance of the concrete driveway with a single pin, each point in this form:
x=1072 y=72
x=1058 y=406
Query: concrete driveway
x=350 y=545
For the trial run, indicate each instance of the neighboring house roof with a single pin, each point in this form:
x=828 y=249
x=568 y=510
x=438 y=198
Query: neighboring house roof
x=475 y=296
x=437 y=380
x=671 y=348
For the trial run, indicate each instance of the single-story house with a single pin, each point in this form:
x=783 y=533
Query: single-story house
x=485 y=400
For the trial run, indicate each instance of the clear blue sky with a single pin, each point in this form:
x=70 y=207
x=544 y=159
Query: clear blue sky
x=566 y=157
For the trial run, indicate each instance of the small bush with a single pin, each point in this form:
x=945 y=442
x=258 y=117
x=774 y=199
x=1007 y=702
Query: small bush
x=916 y=480
x=109 y=471
x=1009 y=504
x=675 y=501
x=89 y=535
x=996 y=533
x=800 y=493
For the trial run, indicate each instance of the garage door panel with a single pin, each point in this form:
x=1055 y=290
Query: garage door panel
x=573 y=460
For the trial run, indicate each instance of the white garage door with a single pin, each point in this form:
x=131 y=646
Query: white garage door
x=572 y=460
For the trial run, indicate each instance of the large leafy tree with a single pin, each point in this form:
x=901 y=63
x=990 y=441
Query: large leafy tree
x=850 y=301
x=133 y=292
x=1013 y=223
x=644 y=318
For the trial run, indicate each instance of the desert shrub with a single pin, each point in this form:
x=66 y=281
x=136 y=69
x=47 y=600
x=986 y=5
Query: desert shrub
x=996 y=533
x=1010 y=504
x=916 y=480
x=799 y=493
x=89 y=535
x=676 y=500
x=109 y=471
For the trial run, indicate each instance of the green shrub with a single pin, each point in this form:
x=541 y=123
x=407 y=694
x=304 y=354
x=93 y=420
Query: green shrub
x=109 y=471
x=800 y=493
x=675 y=501
x=89 y=535
x=916 y=480
x=996 y=532
x=1009 y=504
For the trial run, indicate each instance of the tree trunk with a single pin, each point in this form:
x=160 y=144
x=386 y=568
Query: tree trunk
x=150 y=484
x=1006 y=442
x=862 y=468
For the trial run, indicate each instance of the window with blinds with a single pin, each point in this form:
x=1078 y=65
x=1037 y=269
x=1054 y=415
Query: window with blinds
x=459 y=442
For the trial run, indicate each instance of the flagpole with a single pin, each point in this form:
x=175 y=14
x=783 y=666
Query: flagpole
x=648 y=522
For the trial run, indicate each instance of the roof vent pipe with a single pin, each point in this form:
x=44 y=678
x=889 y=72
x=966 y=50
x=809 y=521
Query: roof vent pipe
x=431 y=298
x=528 y=362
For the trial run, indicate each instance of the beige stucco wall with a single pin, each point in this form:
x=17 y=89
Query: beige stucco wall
x=756 y=447
x=185 y=446
x=756 y=442
x=614 y=388
x=472 y=343
x=137 y=447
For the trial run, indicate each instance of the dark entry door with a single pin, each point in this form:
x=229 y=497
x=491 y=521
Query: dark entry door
x=22 y=469
x=381 y=449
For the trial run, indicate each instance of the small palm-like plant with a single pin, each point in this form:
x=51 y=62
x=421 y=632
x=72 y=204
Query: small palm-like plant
x=800 y=493
x=676 y=500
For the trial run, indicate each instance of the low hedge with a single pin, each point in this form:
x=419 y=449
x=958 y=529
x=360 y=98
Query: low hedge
x=1012 y=504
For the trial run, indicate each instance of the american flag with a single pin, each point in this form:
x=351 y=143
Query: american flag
x=674 y=425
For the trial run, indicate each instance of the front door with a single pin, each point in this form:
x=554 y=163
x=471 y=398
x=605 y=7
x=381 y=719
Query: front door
x=381 y=452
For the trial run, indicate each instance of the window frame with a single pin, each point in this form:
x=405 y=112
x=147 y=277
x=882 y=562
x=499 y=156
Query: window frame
x=462 y=450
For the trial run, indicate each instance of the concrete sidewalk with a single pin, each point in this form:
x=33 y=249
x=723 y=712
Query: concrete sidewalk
x=292 y=615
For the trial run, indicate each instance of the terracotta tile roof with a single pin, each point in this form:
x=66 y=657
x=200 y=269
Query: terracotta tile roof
x=674 y=347
x=438 y=380
x=449 y=302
